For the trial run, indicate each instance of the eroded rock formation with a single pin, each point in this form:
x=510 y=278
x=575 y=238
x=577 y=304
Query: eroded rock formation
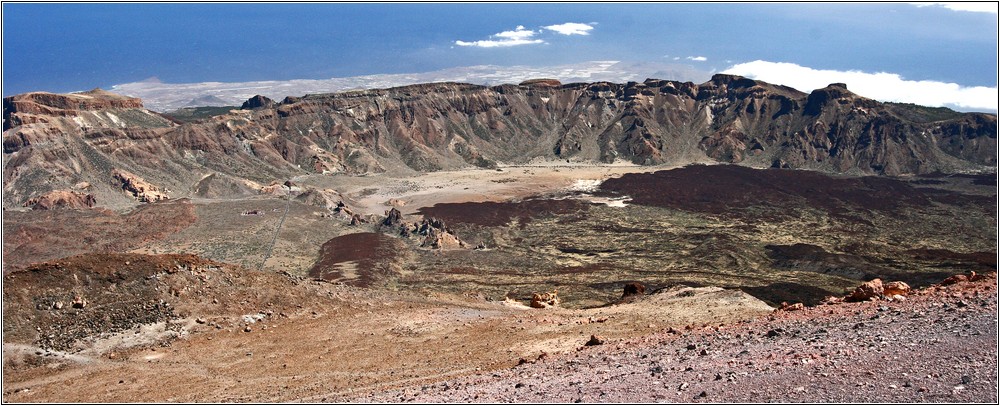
x=58 y=199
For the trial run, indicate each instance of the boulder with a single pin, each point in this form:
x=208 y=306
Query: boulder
x=545 y=300
x=633 y=289
x=79 y=302
x=951 y=280
x=785 y=307
x=780 y=164
x=594 y=340
x=868 y=290
x=896 y=288
x=356 y=219
x=832 y=300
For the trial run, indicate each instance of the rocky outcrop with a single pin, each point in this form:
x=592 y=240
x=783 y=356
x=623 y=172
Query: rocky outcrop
x=393 y=218
x=442 y=239
x=61 y=199
x=258 y=102
x=545 y=300
x=140 y=189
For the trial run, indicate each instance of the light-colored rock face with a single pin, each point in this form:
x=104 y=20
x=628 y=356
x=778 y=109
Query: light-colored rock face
x=140 y=189
x=442 y=126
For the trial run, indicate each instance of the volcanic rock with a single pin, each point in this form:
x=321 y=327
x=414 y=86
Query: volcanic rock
x=951 y=280
x=633 y=289
x=393 y=218
x=356 y=219
x=439 y=238
x=780 y=164
x=786 y=307
x=79 y=302
x=896 y=288
x=594 y=340
x=33 y=107
x=545 y=300
x=868 y=290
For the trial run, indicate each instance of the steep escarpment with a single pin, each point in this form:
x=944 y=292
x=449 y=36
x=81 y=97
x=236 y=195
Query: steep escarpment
x=55 y=141
x=37 y=106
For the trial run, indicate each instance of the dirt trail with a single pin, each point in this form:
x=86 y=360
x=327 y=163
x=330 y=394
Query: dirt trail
x=277 y=231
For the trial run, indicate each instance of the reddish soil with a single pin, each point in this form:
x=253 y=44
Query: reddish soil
x=45 y=235
x=939 y=346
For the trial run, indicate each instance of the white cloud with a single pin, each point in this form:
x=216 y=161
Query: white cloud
x=975 y=7
x=881 y=86
x=697 y=58
x=570 y=28
x=519 y=36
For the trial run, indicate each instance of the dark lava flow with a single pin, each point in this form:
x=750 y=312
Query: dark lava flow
x=723 y=189
x=496 y=214
x=370 y=253
x=890 y=228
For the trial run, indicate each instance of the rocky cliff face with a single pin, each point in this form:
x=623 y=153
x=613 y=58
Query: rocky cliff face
x=57 y=140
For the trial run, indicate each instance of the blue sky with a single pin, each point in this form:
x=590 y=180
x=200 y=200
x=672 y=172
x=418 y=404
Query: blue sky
x=70 y=47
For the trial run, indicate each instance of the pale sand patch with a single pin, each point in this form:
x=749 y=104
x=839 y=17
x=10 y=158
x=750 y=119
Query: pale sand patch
x=373 y=194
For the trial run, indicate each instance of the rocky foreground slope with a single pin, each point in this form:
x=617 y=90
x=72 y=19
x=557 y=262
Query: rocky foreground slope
x=937 y=346
x=79 y=142
x=178 y=328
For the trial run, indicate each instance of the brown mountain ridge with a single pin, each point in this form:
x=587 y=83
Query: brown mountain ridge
x=54 y=142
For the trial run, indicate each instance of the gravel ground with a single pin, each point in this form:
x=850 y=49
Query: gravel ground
x=939 y=345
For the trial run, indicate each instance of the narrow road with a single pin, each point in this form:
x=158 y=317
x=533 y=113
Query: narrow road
x=277 y=231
